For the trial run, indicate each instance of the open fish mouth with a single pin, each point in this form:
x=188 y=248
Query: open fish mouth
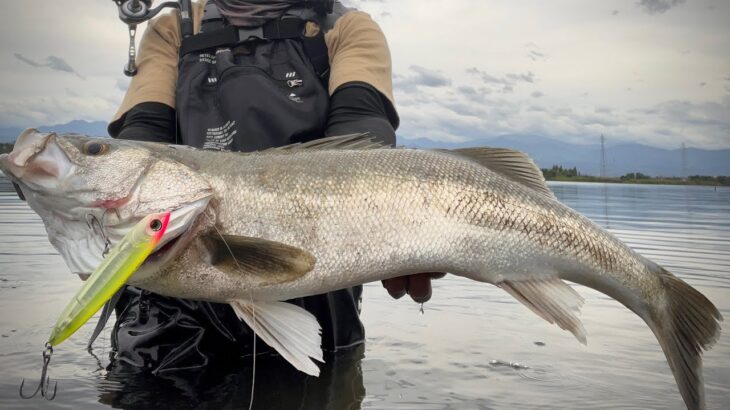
x=37 y=160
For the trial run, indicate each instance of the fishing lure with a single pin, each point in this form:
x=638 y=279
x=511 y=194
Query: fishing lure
x=121 y=262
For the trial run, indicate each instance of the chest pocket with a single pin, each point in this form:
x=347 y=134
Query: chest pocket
x=252 y=97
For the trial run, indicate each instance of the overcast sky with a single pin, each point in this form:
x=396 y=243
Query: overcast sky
x=651 y=71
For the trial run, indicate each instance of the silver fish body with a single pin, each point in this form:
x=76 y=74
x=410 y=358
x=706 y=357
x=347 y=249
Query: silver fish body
x=370 y=215
x=258 y=228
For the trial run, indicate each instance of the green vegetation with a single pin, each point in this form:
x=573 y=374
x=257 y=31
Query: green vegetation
x=558 y=173
x=5 y=148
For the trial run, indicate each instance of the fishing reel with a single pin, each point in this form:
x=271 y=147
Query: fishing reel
x=134 y=12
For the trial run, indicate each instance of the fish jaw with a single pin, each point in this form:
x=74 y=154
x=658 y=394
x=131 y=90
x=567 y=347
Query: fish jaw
x=37 y=163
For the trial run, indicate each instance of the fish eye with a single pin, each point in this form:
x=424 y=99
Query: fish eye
x=95 y=148
x=156 y=225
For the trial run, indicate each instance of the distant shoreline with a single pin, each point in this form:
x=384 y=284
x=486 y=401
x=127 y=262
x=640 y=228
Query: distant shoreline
x=647 y=181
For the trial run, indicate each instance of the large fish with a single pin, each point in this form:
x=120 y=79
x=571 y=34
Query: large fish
x=255 y=229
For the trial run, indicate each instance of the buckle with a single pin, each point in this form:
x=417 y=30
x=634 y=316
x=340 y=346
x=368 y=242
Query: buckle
x=248 y=34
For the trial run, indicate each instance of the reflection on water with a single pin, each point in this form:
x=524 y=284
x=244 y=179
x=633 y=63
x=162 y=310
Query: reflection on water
x=278 y=386
x=474 y=347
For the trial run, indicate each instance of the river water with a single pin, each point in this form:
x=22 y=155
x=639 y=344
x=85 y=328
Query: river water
x=473 y=347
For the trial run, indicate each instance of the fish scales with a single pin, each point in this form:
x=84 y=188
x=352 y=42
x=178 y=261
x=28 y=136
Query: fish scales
x=346 y=207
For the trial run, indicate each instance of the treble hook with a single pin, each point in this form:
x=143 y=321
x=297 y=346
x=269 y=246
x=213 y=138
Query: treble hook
x=45 y=381
x=98 y=228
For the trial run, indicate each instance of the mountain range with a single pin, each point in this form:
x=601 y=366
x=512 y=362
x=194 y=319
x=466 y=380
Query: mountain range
x=91 y=128
x=621 y=158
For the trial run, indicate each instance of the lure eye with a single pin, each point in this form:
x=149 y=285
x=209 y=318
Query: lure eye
x=156 y=225
x=95 y=148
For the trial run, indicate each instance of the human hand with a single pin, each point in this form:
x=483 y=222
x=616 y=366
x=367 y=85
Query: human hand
x=418 y=286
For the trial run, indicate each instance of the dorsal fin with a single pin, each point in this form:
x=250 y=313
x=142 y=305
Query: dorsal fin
x=511 y=164
x=350 y=141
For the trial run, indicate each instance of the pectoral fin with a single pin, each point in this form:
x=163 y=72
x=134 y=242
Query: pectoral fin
x=551 y=299
x=289 y=329
x=273 y=262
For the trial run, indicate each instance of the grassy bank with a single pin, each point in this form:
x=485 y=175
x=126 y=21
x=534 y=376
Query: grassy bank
x=558 y=173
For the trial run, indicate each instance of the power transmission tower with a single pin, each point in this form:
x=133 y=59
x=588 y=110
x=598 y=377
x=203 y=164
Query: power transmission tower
x=684 y=162
x=603 y=156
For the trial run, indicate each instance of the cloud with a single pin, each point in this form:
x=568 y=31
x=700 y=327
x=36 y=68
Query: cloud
x=534 y=53
x=37 y=111
x=558 y=45
x=504 y=84
x=527 y=77
x=658 y=6
x=52 y=62
x=705 y=123
x=421 y=77
x=474 y=114
x=429 y=78
x=71 y=93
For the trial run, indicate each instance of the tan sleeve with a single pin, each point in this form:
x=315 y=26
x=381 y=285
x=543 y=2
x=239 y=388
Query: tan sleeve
x=157 y=62
x=358 y=51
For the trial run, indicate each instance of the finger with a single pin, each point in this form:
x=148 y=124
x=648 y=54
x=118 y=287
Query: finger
x=396 y=286
x=419 y=287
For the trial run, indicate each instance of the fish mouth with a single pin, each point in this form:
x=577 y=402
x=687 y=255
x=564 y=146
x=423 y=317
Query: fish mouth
x=36 y=160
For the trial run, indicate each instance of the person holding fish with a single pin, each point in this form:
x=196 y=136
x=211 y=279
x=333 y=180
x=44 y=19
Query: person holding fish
x=254 y=230
x=245 y=76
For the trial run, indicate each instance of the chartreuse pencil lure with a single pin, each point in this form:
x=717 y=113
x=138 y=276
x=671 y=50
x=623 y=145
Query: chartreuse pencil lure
x=121 y=262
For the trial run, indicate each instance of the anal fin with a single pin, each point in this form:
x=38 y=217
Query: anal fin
x=551 y=299
x=292 y=331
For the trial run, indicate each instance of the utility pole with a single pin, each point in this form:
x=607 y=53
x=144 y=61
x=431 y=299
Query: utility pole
x=603 y=157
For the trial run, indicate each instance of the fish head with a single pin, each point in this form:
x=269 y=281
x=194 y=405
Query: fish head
x=74 y=169
x=90 y=192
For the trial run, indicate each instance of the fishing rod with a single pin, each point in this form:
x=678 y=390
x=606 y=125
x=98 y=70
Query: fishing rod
x=134 y=12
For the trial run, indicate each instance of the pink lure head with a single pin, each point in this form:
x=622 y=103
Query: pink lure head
x=157 y=225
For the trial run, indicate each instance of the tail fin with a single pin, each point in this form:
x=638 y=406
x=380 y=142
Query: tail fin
x=685 y=325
